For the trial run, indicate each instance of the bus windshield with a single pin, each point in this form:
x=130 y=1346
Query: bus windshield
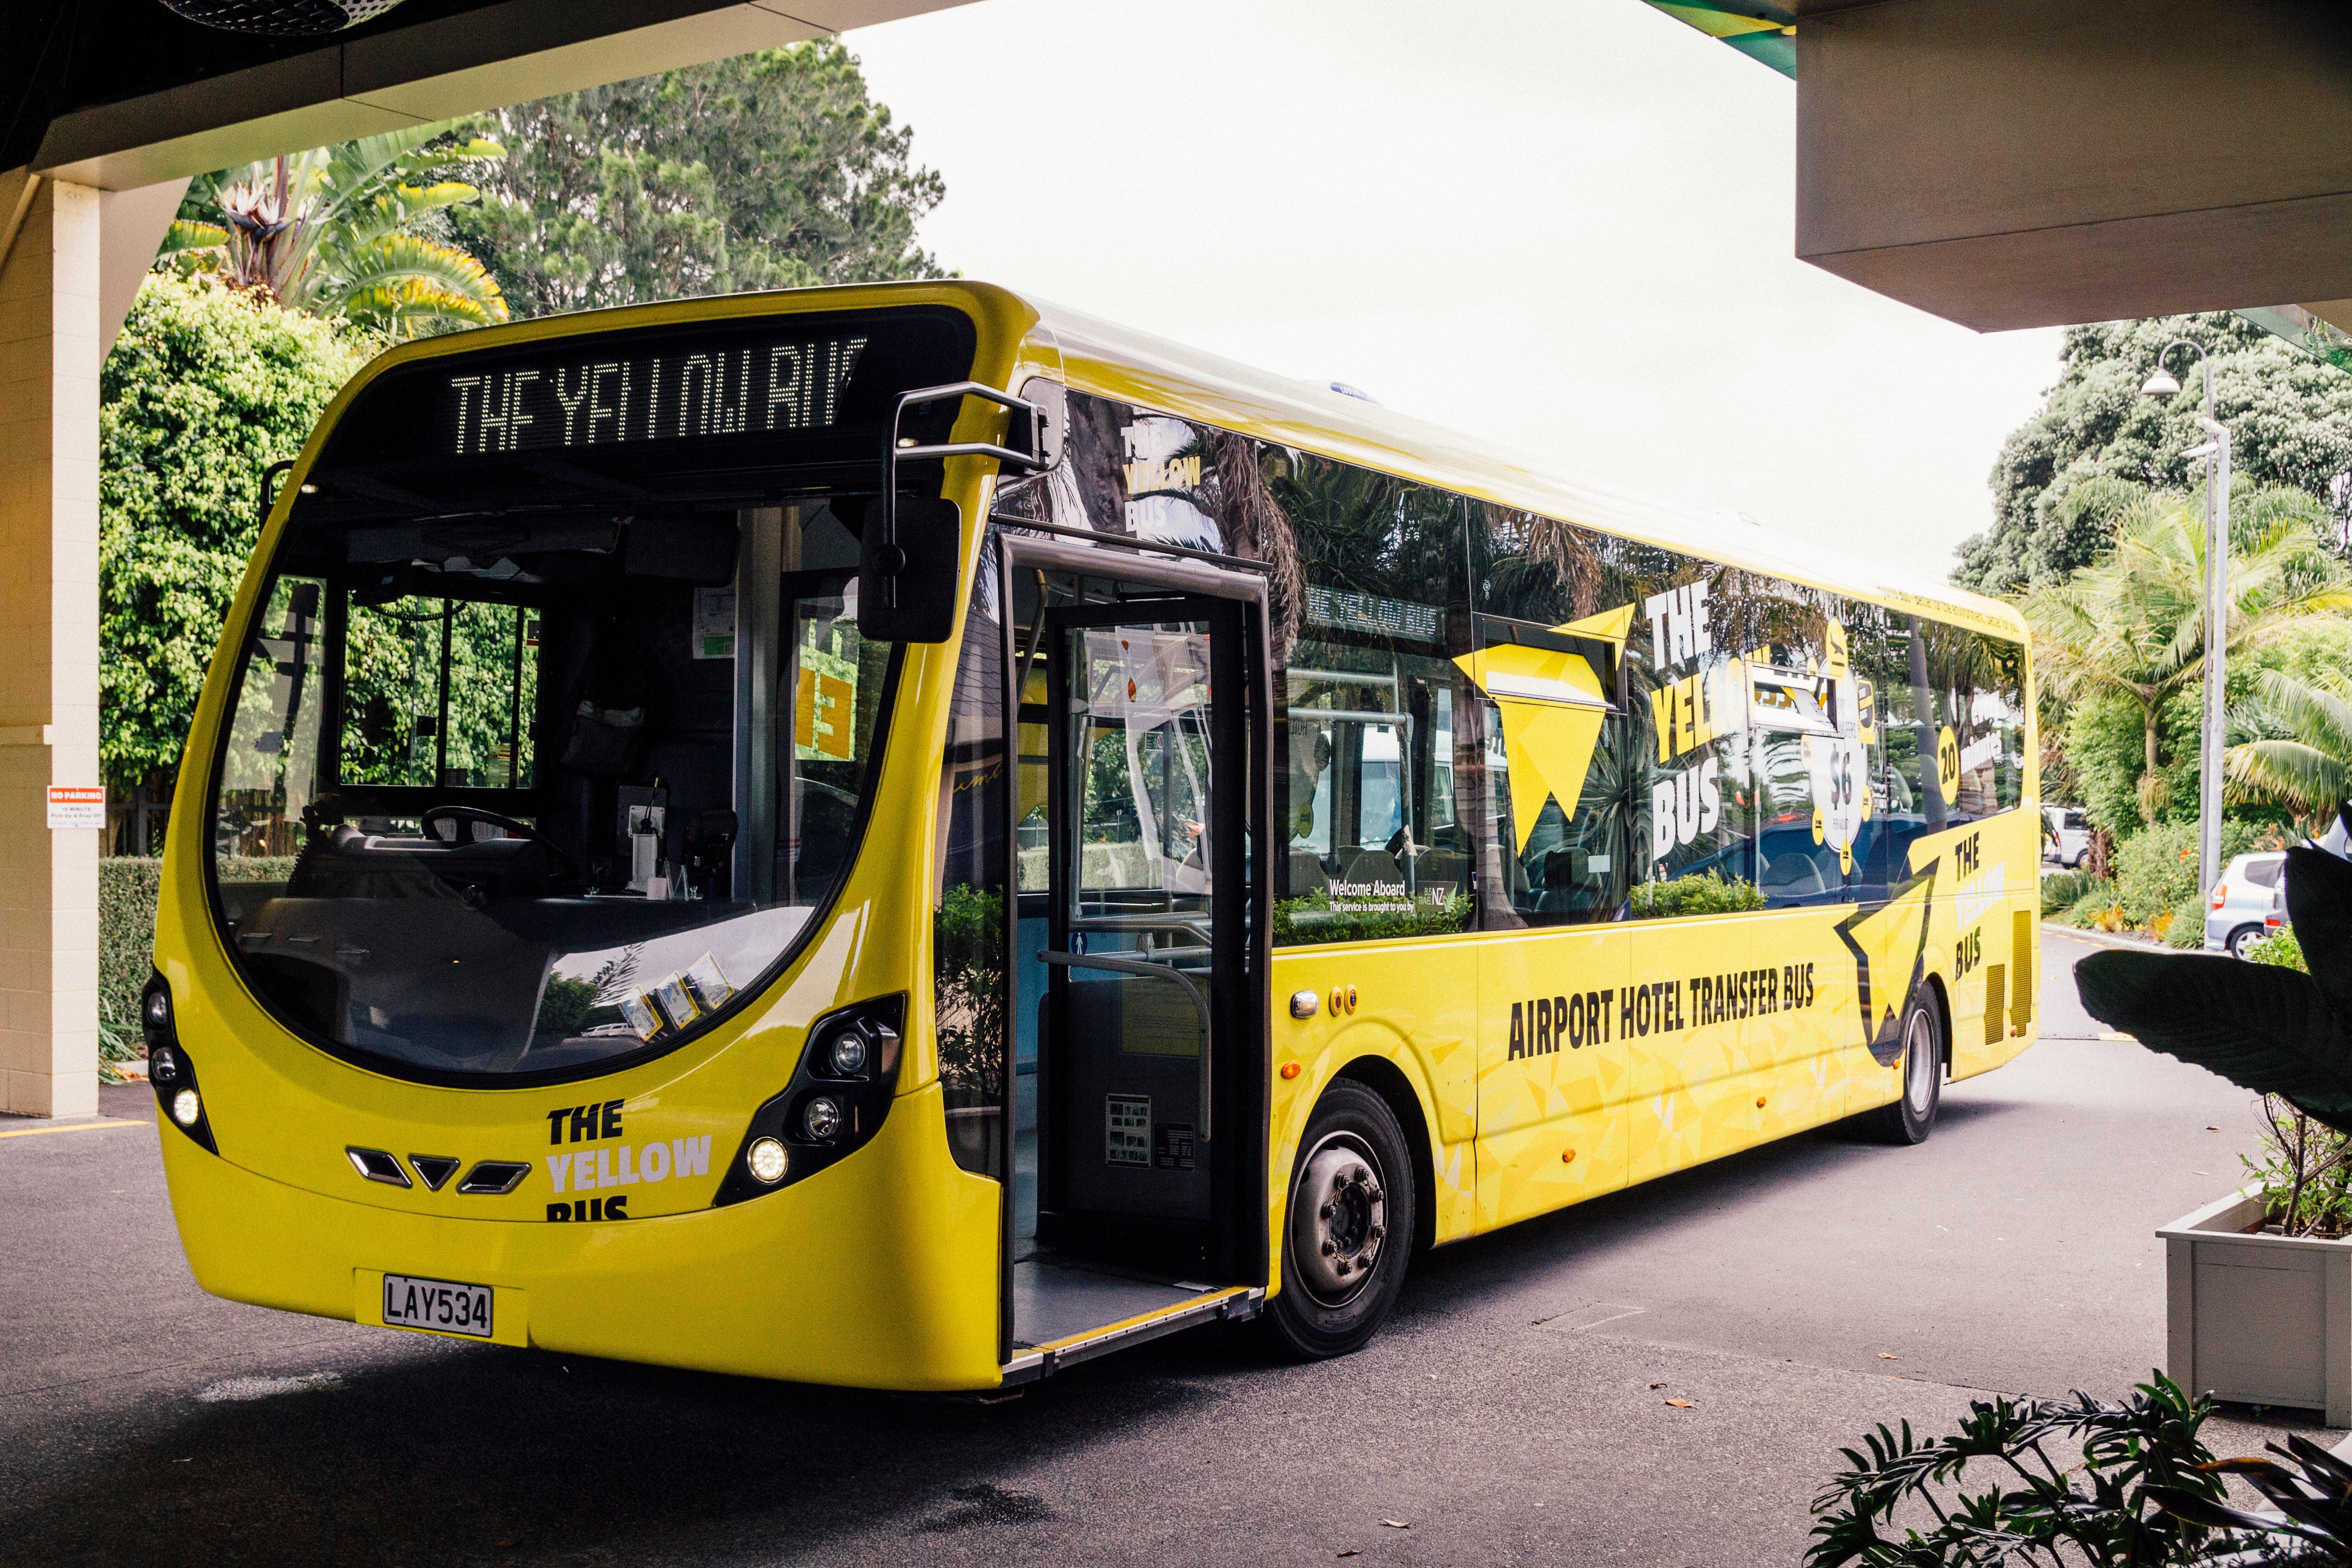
x=538 y=763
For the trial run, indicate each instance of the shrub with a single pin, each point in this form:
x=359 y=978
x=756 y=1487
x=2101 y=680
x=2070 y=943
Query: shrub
x=2061 y=890
x=1706 y=894
x=127 y=889
x=2156 y=869
x=2185 y=925
x=1310 y=918
x=2096 y=909
x=2281 y=950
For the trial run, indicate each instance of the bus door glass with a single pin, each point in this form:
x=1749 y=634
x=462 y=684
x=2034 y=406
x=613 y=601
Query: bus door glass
x=1145 y=956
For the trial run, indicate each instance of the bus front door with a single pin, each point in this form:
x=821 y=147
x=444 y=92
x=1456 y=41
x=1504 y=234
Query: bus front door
x=1149 y=1104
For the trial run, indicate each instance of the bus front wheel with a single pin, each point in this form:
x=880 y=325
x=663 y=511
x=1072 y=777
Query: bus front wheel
x=1350 y=1226
x=1913 y=1115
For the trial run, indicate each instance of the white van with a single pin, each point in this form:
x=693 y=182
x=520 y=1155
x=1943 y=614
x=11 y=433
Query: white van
x=2065 y=836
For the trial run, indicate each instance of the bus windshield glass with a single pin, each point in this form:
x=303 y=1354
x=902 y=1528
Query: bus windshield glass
x=548 y=746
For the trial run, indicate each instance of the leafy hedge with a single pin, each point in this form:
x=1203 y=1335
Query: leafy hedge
x=127 y=889
x=1706 y=894
x=1310 y=918
x=2156 y=869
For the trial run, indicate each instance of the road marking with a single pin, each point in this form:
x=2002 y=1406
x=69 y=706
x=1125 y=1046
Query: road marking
x=70 y=1127
x=2113 y=1034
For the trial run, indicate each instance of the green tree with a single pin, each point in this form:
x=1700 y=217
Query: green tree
x=355 y=231
x=2290 y=416
x=2307 y=769
x=205 y=387
x=767 y=171
x=2122 y=641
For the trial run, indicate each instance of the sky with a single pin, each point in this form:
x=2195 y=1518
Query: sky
x=1565 y=226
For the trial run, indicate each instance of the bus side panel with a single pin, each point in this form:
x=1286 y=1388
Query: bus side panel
x=1551 y=1094
x=1996 y=956
x=1692 y=1085
x=1416 y=1006
x=1789 y=1000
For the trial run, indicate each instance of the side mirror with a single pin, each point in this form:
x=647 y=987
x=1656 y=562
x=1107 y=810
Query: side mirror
x=906 y=591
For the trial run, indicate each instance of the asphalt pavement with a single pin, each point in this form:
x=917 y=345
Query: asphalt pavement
x=1515 y=1411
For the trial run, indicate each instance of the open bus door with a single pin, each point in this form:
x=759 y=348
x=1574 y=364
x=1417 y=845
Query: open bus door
x=1140 y=1139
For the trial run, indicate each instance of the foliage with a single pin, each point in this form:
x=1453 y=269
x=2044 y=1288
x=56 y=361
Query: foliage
x=2305 y=1171
x=2290 y=418
x=2061 y=890
x=2311 y=1495
x=2155 y=871
x=2183 y=925
x=203 y=389
x=2282 y=951
x=2096 y=910
x=2112 y=1508
x=355 y=231
x=968 y=958
x=2124 y=639
x=1708 y=893
x=2309 y=769
x=1309 y=918
x=128 y=886
x=2263 y=1026
x=770 y=169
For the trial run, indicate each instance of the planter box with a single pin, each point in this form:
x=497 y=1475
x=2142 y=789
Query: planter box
x=2262 y=1320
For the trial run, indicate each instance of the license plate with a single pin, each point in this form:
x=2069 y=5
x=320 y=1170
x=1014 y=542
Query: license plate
x=441 y=1304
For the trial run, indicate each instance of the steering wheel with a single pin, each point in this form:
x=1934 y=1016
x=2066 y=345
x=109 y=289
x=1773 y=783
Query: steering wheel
x=567 y=868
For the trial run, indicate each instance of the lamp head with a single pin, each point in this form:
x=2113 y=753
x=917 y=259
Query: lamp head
x=2160 y=384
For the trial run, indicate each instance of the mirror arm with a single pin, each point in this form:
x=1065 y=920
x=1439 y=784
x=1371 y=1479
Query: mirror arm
x=1026 y=426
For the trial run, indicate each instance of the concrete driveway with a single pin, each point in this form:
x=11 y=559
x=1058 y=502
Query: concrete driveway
x=1794 y=1296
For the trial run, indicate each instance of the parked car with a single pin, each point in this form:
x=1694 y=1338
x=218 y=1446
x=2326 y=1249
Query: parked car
x=2237 y=909
x=2065 y=836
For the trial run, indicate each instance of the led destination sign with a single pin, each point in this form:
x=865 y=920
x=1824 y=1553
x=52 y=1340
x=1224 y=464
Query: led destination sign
x=767 y=386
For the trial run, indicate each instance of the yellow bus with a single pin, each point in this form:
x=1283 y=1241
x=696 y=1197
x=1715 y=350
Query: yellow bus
x=900 y=837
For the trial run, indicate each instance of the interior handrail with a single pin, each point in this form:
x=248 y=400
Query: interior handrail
x=1150 y=972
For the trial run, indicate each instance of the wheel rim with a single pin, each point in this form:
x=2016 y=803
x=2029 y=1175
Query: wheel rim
x=1919 y=1063
x=1339 y=1218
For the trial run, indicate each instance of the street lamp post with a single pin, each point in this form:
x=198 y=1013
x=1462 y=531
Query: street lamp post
x=2217 y=613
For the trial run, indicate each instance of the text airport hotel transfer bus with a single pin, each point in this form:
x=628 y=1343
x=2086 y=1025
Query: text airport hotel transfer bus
x=897 y=837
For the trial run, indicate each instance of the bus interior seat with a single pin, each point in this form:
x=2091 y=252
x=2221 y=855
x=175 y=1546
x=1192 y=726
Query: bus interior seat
x=1796 y=875
x=1307 y=873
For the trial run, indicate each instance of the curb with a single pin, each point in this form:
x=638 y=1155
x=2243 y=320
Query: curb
x=2116 y=938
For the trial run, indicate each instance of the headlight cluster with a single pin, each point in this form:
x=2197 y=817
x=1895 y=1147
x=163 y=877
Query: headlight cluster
x=840 y=1091
x=169 y=1070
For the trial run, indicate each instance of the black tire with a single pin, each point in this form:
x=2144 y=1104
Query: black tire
x=1913 y=1115
x=1351 y=1189
x=2242 y=938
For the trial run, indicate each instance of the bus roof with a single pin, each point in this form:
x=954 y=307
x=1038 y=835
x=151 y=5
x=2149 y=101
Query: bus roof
x=1119 y=362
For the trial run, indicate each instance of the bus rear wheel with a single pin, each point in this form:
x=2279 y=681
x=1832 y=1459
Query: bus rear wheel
x=1350 y=1226
x=1913 y=1115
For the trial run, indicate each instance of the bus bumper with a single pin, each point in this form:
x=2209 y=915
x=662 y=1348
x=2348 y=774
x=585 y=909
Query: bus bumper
x=878 y=1272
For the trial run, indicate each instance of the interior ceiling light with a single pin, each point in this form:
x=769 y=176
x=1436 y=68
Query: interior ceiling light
x=281 y=18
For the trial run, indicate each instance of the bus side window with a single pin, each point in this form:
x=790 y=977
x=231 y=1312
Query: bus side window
x=1370 y=697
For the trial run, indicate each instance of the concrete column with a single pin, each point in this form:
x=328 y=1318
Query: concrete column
x=50 y=320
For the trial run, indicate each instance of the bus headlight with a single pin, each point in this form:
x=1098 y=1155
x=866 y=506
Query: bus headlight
x=820 y=1118
x=767 y=1161
x=169 y=1070
x=849 y=1053
x=839 y=1093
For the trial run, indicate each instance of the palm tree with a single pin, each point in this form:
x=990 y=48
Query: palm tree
x=349 y=231
x=2132 y=624
x=2309 y=770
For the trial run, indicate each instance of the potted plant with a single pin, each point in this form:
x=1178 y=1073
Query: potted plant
x=2259 y=1284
